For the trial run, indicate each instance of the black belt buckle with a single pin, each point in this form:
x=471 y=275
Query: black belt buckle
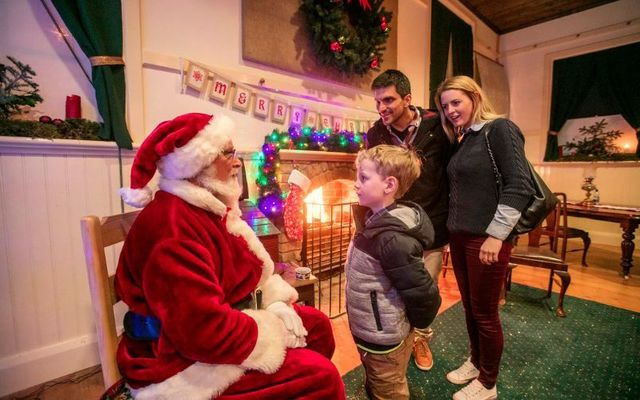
x=245 y=304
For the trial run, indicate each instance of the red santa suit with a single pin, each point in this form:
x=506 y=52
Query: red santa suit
x=187 y=261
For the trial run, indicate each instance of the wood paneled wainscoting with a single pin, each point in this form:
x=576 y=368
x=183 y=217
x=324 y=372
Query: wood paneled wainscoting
x=46 y=186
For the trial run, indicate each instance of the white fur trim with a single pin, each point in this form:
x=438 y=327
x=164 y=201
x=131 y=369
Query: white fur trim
x=202 y=198
x=298 y=178
x=199 y=381
x=269 y=352
x=238 y=227
x=193 y=194
x=136 y=197
x=276 y=289
x=199 y=152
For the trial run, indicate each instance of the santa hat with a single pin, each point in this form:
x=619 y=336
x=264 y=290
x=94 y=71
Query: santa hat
x=179 y=149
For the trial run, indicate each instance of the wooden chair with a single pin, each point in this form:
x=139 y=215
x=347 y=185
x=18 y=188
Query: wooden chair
x=97 y=235
x=564 y=232
x=548 y=259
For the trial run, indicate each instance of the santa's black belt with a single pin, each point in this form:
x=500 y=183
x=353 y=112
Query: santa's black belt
x=251 y=301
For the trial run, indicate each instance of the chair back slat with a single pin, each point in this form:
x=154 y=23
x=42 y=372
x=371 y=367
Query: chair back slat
x=98 y=234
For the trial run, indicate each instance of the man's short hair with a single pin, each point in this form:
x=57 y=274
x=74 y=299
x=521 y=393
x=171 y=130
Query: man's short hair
x=396 y=161
x=392 y=77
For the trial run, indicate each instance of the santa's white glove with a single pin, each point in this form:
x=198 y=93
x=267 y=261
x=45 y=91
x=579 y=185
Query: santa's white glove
x=292 y=321
x=292 y=341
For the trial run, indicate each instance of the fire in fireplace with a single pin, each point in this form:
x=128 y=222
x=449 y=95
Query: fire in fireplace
x=327 y=230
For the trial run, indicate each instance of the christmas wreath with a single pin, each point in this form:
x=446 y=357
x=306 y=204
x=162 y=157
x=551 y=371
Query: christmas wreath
x=348 y=35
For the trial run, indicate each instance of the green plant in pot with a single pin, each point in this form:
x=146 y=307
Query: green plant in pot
x=595 y=143
x=17 y=92
x=17 y=88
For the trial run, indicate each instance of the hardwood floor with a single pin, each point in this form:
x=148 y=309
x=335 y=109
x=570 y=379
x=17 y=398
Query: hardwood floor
x=600 y=282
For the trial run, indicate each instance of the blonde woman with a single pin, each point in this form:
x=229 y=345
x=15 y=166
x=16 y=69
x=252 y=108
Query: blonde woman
x=484 y=206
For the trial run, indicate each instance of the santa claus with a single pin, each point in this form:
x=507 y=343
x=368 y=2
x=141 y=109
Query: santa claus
x=208 y=317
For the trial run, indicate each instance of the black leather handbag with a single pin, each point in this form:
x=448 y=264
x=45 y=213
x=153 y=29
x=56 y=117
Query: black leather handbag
x=541 y=204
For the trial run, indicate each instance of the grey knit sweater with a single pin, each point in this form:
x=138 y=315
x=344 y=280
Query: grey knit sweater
x=474 y=194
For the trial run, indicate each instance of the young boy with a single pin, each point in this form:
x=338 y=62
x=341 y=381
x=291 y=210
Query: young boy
x=389 y=292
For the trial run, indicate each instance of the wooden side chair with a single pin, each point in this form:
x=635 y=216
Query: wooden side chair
x=97 y=235
x=564 y=232
x=545 y=258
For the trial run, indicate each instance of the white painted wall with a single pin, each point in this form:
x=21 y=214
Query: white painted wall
x=528 y=55
x=27 y=34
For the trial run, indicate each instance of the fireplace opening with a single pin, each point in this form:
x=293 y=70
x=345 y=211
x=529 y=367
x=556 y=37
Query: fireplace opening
x=327 y=231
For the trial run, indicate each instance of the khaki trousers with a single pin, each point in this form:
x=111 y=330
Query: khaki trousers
x=386 y=374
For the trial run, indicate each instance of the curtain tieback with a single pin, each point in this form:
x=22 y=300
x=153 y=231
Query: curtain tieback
x=98 y=61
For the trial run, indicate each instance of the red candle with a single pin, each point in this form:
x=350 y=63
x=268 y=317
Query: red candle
x=73 y=107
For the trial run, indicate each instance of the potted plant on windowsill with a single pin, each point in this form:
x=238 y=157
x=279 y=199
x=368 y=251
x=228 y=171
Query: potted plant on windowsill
x=19 y=93
x=596 y=144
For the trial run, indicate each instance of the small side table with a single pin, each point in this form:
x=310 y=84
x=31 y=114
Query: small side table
x=306 y=287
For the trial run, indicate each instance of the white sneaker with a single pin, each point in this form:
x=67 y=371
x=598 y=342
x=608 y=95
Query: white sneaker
x=464 y=374
x=476 y=391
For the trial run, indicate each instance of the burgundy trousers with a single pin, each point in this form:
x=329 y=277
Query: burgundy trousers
x=307 y=373
x=480 y=287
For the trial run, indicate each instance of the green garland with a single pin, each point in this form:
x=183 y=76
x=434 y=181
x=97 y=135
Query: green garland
x=348 y=35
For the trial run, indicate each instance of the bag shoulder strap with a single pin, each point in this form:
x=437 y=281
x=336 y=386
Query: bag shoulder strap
x=496 y=172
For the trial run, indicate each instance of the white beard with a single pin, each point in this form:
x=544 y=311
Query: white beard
x=227 y=191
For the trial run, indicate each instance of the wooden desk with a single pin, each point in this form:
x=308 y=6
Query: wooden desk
x=262 y=226
x=627 y=218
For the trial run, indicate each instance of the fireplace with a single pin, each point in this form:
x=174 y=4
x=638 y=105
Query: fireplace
x=327 y=224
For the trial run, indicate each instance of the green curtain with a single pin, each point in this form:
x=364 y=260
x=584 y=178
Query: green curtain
x=601 y=83
x=570 y=77
x=97 y=27
x=447 y=28
x=623 y=79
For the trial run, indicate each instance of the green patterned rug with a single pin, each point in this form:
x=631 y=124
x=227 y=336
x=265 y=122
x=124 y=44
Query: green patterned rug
x=594 y=353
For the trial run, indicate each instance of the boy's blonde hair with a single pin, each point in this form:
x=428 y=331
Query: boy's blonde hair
x=482 y=108
x=401 y=163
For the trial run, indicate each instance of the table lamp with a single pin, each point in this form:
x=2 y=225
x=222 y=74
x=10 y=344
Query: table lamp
x=588 y=186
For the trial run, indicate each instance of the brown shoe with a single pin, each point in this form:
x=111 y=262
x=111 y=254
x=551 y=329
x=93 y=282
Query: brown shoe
x=422 y=353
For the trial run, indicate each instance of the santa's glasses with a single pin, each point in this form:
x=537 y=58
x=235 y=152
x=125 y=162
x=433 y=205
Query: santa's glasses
x=230 y=154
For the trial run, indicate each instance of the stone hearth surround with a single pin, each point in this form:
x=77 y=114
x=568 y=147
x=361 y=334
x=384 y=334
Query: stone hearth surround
x=321 y=168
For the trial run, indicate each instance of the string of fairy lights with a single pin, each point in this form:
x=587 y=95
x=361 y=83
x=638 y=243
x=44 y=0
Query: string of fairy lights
x=270 y=196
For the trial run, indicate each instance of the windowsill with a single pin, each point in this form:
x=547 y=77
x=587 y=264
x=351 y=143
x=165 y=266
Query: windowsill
x=582 y=164
x=320 y=156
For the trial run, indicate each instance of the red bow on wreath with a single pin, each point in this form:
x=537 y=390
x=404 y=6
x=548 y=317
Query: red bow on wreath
x=364 y=4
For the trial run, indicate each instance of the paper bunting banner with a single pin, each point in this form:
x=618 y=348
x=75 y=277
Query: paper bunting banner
x=219 y=89
x=325 y=121
x=350 y=125
x=297 y=115
x=261 y=106
x=196 y=77
x=279 y=111
x=338 y=124
x=241 y=98
x=311 y=120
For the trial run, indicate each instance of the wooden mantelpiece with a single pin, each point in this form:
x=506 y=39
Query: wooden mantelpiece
x=323 y=156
